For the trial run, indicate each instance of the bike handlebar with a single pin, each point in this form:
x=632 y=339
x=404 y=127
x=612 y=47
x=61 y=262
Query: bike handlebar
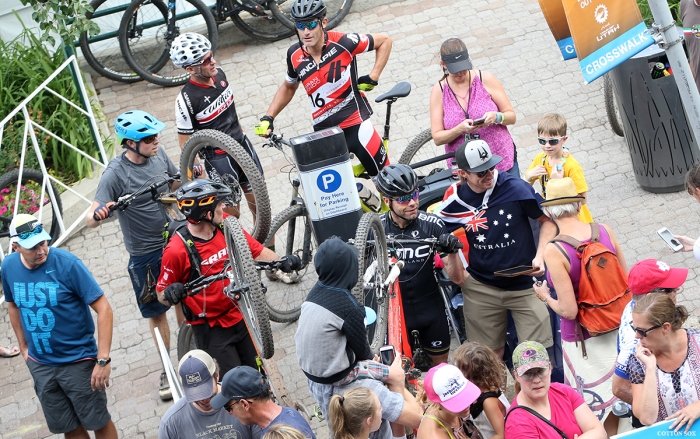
x=123 y=202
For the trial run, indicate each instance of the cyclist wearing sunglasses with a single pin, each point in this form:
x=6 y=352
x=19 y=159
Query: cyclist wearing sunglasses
x=663 y=371
x=142 y=223
x=324 y=61
x=494 y=209
x=206 y=102
x=647 y=276
x=49 y=294
x=198 y=248
x=420 y=293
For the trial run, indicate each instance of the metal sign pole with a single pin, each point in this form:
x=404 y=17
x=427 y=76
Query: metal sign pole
x=666 y=36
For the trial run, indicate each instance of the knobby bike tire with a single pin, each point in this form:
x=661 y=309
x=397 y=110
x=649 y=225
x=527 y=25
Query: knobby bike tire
x=370 y=242
x=105 y=56
x=147 y=51
x=292 y=234
x=336 y=10
x=9 y=181
x=264 y=28
x=422 y=147
x=251 y=302
x=205 y=138
x=185 y=340
x=610 y=107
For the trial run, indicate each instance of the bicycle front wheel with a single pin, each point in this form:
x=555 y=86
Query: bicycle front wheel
x=373 y=257
x=336 y=10
x=611 y=107
x=245 y=288
x=145 y=41
x=185 y=340
x=291 y=234
x=102 y=51
x=252 y=209
x=32 y=187
x=423 y=148
x=265 y=28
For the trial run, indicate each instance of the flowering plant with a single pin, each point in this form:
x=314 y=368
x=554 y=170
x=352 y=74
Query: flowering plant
x=29 y=198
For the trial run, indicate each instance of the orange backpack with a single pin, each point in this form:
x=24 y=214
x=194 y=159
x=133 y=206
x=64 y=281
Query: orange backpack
x=602 y=290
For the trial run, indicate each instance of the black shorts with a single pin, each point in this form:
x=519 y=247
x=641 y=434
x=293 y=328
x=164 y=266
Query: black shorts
x=429 y=318
x=225 y=165
x=231 y=347
x=66 y=397
x=366 y=143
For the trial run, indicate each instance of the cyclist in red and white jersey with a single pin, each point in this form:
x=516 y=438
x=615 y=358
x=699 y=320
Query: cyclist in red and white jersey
x=324 y=61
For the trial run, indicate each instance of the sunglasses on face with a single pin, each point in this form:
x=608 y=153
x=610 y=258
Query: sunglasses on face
x=482 y=174
x=205 y=61
x=531 y=374
x=230 y=405
x=667 y=290
x=37 y=228
x=310 y=25
x=552 y=142
x=150 y=139
x=405 y=199
x=203 y=202
x=644 y=332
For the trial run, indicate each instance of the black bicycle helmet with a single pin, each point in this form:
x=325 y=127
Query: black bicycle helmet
x=196 y=198
x=396 y=180
x=306 y=10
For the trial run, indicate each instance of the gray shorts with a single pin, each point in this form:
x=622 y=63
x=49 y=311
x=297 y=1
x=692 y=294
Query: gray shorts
x=66 y=397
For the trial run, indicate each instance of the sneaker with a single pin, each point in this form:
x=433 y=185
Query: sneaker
x=281 y=276
x=164 y=389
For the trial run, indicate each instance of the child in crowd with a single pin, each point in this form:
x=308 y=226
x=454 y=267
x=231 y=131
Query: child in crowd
x=481 y=366
x=355 y=414
x=555 y=160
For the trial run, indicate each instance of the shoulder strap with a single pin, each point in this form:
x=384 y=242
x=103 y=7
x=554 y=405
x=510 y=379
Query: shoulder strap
x=575 y=243
x=480 y=76
x=537 y=415
x=449 y=433
x=195 y=258
x=595 y=232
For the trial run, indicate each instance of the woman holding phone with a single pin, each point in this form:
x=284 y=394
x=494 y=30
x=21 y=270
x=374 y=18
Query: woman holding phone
x=466 y=103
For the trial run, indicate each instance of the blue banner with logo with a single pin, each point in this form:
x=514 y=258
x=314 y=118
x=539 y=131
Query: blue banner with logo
x=661 y=430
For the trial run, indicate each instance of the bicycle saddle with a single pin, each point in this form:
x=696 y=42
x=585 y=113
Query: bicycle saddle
x=400 y=90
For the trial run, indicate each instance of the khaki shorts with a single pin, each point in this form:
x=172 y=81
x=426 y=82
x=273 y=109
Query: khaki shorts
x=486 y=314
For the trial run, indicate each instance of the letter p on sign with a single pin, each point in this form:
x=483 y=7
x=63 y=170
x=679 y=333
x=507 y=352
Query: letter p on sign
x=328 y=181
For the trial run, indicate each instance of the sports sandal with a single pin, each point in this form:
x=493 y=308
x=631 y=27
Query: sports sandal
x=9 y=352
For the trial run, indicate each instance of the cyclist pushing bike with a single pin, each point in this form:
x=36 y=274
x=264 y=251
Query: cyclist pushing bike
x=420 y=292
x=198 y=249
x=324 y=61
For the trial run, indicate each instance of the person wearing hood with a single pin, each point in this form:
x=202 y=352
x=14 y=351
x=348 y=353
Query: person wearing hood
x=332 y=347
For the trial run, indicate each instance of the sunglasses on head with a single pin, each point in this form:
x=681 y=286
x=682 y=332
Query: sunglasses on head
x=310 y=25
x=150 y=139
x=189 y=202
x=552 y=142
x=482 y=174
x=36 y=229
x=404 y=199
x=644 y=332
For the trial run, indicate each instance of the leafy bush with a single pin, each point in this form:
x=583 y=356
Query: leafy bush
x=26 y=64
x=674 y=5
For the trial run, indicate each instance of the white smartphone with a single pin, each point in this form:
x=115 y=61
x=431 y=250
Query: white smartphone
x=387 y=354
x=672 y=242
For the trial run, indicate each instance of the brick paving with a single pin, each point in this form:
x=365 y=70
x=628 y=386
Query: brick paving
x=509 y=39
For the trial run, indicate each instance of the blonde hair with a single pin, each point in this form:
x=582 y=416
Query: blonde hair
x=282 y=431
x=348 y=413
x=481 y=366
x=658 y=308
x=552 y=124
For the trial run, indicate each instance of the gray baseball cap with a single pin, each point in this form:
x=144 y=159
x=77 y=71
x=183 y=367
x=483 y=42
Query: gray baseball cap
x=457 y=62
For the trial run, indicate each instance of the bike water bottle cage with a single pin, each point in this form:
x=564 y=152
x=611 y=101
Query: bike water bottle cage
x=306 y=10
x=188 y=49
x=196 y=198
x=396 y=181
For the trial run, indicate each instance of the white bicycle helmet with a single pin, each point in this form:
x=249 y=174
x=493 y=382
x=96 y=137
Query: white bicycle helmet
x=188 y=49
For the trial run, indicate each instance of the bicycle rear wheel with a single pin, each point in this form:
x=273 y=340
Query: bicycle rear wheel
x=145 y=42
x=336 y=10
x=423 y=148
x=185 y=340
x=31 y=190
x=193 y=150
x=370 y=241
x=245 y=288
x=611 y=107
x=102 y=51
x=291 y=231
x=265 y=28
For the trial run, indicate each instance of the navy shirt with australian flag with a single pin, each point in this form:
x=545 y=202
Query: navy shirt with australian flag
x=499 y=233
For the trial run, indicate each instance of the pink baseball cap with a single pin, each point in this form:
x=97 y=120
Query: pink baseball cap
x=446 y=385
x=649 y=274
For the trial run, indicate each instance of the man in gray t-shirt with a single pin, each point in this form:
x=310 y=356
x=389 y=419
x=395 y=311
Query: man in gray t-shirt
x=690 y=15
x=142 y=223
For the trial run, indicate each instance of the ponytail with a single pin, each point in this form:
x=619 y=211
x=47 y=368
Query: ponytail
x=348 y=412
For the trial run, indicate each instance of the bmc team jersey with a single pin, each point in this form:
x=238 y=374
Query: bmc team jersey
x=200 y=107
x=417 y=279
x=220 y=311
x=332 y=84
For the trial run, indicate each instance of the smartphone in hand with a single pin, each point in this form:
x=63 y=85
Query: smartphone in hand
x=387 y=354
x=479 y=121
x=668 y=238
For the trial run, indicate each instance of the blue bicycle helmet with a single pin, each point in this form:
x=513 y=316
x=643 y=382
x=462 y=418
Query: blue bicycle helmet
x=306 y=10
x=135 y=125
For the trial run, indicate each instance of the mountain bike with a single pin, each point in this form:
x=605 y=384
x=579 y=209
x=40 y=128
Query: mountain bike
x=253 y=209
x=336 y=10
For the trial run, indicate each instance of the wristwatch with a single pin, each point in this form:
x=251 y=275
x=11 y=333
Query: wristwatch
x=102 y=362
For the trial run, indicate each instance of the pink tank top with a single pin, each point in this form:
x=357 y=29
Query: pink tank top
x=497 y=136
x=568 y=327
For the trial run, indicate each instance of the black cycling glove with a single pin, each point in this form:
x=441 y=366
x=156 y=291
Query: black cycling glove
x=290 y=263
x=368 y=82
x=449 y=243
x=174 y=293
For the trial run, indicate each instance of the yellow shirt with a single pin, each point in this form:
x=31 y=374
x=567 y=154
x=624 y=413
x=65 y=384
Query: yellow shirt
x=573 y=170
